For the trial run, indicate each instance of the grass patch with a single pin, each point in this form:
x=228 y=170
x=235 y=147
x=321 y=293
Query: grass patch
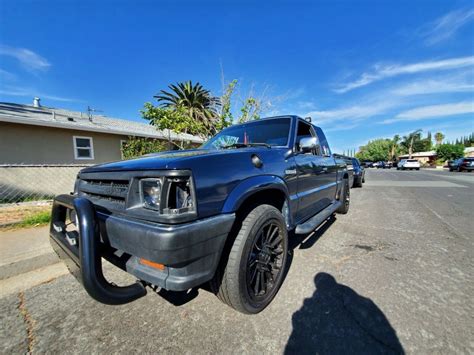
x=36 y=219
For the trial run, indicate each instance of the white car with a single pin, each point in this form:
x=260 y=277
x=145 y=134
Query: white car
x=408 y=164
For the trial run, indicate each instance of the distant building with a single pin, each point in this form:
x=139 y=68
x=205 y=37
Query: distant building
x=43 y=148
x=422 y=157
x=469 y=152
x=430 y=157
x=42 y=135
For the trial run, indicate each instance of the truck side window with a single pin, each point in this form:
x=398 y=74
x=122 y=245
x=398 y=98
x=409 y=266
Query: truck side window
x=323 y=143
x=304 y=130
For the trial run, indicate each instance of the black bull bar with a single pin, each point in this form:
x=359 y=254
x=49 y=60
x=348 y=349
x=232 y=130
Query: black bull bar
x=81 y=250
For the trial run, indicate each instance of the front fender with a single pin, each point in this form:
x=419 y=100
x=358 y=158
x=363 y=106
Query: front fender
x=250 y=186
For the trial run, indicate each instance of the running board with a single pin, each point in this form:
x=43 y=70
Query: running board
x=317 y=219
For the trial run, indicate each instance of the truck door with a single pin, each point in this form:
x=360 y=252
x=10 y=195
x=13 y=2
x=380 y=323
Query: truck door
x=312 y=176
x=330 y=167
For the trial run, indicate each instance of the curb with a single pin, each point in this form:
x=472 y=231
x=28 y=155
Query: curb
x=26 y=265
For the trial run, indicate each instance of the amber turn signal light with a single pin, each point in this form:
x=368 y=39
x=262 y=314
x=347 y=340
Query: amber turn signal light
x=152 y=264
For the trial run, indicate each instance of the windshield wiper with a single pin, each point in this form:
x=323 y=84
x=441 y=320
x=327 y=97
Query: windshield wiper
x=245 y=145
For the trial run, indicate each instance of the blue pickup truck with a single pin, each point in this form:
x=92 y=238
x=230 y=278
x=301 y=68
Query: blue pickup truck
x=219 y=214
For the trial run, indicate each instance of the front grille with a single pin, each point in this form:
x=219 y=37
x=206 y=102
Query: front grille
x=111 y=194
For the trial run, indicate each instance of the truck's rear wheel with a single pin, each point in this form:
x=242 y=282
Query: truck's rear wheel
x=256 y=264
x=345 y=198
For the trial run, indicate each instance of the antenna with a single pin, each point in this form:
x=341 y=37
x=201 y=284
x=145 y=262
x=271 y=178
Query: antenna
x=91 y=110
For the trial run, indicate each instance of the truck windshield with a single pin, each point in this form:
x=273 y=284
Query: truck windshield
x=269 y=132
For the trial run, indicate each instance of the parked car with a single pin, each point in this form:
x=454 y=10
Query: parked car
x=359 y=172
x=367 y=164
x=410 y=164
x=452 y=165
x=462 y=164
x=218 y=215
x=384 y=165
x=342 y=159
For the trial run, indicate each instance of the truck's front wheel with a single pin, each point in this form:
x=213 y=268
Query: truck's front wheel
x=256 y=264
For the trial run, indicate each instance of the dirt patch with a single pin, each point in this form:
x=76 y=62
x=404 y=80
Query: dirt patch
x=14 y=213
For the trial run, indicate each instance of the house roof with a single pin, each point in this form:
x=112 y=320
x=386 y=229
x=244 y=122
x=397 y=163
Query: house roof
x=60 y=118
x=431 y=153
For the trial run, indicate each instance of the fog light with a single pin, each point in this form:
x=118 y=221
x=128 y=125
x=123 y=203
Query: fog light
x=73 y=217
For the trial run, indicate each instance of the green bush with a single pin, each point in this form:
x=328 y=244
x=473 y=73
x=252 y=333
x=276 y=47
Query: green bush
x=136 y=147
x=450 y=151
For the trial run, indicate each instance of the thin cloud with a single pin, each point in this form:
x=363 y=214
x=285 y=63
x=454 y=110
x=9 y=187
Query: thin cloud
x=11 y=91
x=6 y=75
x=387 y=71
x=355 y=112
x=29 y=59
x=446 y=26
x=434 y=86
x=433 y=111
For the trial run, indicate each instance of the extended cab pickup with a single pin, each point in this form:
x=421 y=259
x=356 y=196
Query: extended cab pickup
x=219 y=214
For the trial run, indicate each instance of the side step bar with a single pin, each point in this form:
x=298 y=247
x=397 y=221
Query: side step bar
x=316 y=220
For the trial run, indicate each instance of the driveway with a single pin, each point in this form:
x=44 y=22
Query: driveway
x=393 y=275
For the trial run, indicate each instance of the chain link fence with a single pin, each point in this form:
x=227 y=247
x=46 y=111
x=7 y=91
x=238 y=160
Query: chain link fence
x=24 y=183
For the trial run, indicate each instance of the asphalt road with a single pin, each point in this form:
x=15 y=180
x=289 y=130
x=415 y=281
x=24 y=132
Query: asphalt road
x=394 y=275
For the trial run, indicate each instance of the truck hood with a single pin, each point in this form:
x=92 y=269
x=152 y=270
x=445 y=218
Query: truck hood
x=180 y=159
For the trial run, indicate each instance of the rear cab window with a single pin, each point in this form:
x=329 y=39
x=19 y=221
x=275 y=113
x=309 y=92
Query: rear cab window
x=323 y=142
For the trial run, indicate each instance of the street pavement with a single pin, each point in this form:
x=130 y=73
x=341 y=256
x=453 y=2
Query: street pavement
x=394 y=275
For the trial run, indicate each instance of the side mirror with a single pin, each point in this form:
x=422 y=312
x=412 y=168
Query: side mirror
x=308 y=144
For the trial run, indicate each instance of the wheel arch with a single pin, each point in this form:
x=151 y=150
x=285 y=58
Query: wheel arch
x=266 y=189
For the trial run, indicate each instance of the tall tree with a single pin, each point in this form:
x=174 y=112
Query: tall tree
x=412 y=142
x=375 y=150
x=394 y=147
x=195 y=99
x=439 y=138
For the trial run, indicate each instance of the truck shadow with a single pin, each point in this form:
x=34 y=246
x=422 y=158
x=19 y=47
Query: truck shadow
x=337 y=320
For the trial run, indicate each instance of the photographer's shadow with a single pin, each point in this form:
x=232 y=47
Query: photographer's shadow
x=337 y=320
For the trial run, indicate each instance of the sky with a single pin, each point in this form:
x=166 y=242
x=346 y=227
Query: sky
x=362 y=70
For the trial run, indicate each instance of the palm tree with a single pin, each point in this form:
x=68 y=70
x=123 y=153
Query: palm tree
x=197 y=101
x=410 y=139
x=394 y=146
x=439 y=138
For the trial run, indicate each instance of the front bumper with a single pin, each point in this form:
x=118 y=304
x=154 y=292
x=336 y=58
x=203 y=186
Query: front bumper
x=190 y=251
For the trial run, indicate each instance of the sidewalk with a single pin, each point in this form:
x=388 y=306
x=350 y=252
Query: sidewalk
x=24 y=250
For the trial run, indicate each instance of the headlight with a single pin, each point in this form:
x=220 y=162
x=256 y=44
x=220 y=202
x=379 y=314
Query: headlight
x=168 y=195
x=151 y=193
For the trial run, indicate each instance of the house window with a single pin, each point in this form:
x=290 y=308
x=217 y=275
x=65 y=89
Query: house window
x=83 y=148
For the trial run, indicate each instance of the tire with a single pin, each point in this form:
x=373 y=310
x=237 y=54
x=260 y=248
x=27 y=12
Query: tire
x=235 y=282
x=346 y=198
x=417 y=168
x=358 y=182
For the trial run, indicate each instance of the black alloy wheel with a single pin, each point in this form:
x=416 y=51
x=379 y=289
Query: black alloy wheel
x=250 y=277
x=265 y=262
